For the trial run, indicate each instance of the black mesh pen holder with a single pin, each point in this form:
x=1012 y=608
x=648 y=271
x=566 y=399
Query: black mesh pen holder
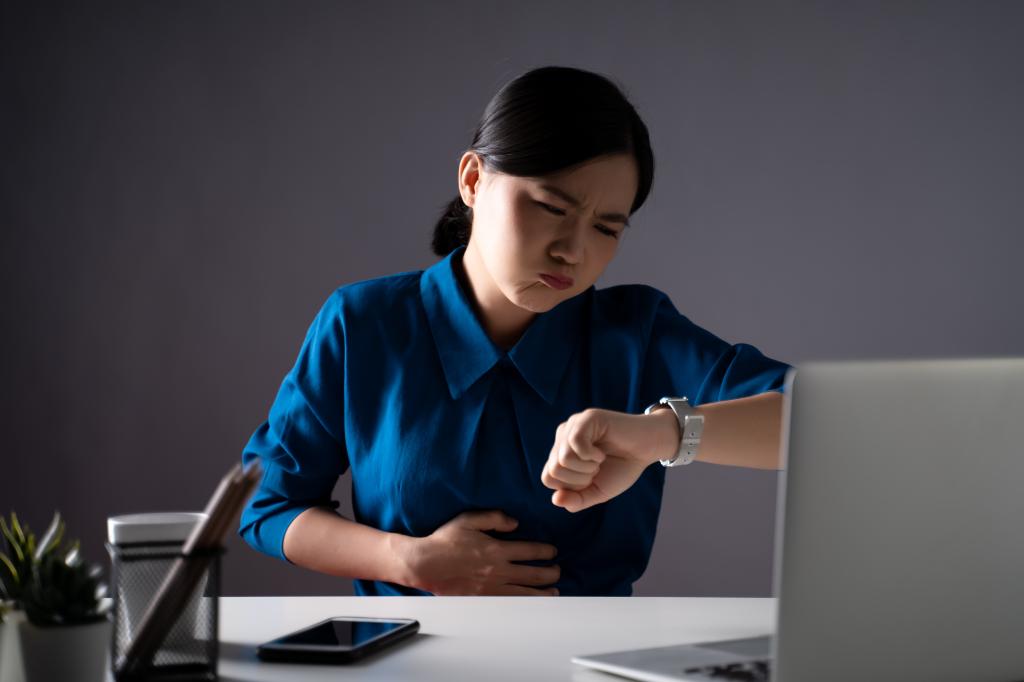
x=190 y=650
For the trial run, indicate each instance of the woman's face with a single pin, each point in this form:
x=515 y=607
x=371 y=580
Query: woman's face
x=543 y=240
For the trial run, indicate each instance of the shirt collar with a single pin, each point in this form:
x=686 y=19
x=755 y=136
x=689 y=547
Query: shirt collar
x=467 y=353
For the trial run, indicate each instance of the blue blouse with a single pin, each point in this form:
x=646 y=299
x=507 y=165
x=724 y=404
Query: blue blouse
x=397 y=380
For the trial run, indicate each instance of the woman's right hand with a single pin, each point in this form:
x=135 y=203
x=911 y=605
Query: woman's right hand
x=459 y=558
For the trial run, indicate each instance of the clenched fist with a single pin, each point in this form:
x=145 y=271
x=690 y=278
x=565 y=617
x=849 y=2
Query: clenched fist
x=598 y=454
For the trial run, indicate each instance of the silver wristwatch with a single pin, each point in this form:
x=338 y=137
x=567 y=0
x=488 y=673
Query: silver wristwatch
x=691 y=426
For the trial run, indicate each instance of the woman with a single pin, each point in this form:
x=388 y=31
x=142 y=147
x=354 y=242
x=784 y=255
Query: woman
x=442 y=390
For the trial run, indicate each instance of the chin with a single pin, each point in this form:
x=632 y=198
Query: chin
x=540 y=300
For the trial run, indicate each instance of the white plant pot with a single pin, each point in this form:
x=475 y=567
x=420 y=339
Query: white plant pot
x=71 y=652
x=10 y=648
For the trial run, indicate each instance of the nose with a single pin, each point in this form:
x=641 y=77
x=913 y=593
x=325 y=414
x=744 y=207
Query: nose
x=568 y=248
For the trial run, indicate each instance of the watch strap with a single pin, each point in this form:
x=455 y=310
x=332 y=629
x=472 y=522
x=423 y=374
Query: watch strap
x=691 y=427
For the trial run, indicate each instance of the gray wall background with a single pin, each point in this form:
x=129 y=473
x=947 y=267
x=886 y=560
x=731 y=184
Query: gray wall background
x=184 y=183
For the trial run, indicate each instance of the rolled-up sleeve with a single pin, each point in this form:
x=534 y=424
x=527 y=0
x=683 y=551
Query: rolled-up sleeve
x=684 y=359
x=301 y=445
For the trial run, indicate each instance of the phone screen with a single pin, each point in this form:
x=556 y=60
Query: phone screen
x=340 y=633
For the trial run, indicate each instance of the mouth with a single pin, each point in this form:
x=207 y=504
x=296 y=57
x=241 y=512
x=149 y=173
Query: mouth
x=556 y=281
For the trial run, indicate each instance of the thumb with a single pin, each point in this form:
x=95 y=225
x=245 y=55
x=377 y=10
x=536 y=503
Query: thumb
x=493 y=519
x=570 y=501
x=578 y=500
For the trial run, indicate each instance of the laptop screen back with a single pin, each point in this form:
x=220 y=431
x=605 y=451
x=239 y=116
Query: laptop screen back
x=902 y=521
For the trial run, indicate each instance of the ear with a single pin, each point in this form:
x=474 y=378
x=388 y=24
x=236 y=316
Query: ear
x=470 y=169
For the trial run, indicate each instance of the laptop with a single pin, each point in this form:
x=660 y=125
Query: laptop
x=899 y=549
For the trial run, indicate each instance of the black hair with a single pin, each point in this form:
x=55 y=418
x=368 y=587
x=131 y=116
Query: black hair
x=546 y=120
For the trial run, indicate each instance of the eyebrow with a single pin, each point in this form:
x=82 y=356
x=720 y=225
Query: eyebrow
x=565 y=196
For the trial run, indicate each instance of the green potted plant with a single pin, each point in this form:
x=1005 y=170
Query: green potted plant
x=55 y=614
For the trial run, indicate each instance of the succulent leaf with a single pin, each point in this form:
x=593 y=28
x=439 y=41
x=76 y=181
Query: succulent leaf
x=51 y=539
x=16 y=527
x=9 y=586
x=7 y=533
x=8 y=572
x=73 y=555
x=12 y=540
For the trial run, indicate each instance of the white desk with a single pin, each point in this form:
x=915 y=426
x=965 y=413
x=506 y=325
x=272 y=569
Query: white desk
x=484 y=638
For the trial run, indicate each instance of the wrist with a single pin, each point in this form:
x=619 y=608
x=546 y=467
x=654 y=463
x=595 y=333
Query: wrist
x=403 y=549
x=667 y=435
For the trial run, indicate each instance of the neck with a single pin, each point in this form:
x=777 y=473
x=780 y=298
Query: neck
x=504 y=321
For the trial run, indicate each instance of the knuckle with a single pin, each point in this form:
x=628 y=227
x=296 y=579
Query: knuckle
x=578 y=437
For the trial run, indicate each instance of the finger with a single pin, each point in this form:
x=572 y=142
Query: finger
x=568 y=459
x=492 y=519
x=517 y=550
x=562 y=456
x=557 y=445
x=560 y=477
x=533 y=575
x=580 y=437
x=550 y=480
x=520 y=591
x=545 y=477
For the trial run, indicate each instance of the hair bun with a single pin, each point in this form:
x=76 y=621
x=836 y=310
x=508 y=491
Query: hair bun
x=452 y=229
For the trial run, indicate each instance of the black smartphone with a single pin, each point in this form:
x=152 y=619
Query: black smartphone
x=337 y=640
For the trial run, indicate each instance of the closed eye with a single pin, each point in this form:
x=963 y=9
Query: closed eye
x=607 y=231
x=549 y=208
x=557 y=211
